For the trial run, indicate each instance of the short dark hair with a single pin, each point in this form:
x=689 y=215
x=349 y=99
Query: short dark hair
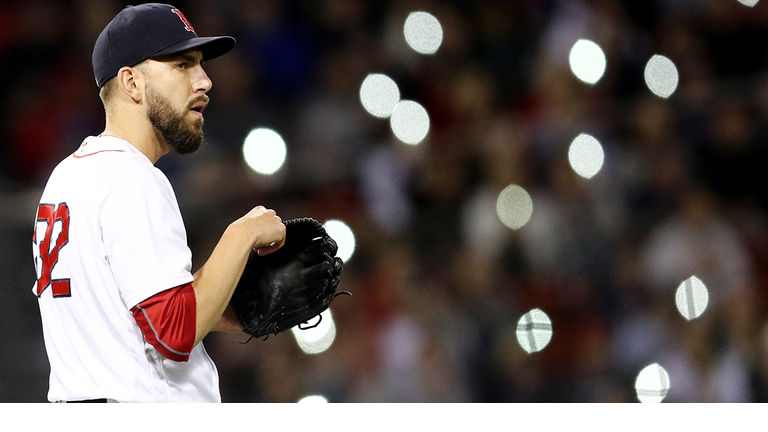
x=107 y=91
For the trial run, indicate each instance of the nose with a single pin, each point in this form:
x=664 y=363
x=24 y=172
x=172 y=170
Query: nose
x=202 y=82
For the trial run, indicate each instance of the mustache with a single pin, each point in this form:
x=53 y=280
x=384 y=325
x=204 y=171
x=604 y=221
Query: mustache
x=203 y=98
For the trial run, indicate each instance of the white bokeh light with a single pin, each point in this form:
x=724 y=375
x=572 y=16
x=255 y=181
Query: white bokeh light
x=264 y=151
x=652 y=384
x=661 y=76
x=587 y=61
x=410 y=122
x=514 y=206
x=313 y=399
x=342 y=234
x=691 y=298
x=316 y=339
x=749 y=3
x=586 y=155
x=423 y=32
x=379 y=95
x=534 y=331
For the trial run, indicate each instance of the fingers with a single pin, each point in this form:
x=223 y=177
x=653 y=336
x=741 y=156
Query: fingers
x=259 y=211
x=268 y=249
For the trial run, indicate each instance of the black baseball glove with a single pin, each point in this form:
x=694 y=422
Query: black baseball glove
x=290 y=286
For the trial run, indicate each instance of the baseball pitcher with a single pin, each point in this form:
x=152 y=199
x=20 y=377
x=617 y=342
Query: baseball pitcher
x=123 y=316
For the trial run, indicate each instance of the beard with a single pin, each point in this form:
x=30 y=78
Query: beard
x=184 y=135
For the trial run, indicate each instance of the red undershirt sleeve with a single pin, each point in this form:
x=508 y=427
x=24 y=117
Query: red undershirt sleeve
x=168 y=321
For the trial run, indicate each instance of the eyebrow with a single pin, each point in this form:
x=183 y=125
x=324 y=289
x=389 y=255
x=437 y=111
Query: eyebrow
x=190 y=57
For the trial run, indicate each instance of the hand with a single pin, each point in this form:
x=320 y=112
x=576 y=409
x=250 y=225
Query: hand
x=266 y=229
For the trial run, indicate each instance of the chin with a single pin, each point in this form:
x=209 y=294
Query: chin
x=187 y=148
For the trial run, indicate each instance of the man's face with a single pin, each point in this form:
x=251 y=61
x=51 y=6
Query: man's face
x=175 y=94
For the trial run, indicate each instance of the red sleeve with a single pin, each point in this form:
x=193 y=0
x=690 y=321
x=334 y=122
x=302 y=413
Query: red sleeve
x=168 y=321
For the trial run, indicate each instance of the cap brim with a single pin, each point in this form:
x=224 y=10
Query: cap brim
x=211 y=47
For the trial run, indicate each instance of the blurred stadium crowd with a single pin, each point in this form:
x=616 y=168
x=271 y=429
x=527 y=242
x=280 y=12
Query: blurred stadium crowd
x=438 y=282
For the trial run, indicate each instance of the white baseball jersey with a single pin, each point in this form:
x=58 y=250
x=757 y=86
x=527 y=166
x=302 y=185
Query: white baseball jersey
x=109 y=235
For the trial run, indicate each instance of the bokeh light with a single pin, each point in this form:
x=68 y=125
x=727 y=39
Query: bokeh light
x=586 y=155
x=410 y=122
x=313 y=399
x=423 y=32
x=534 y=331
x=379 y=95
x=692 y=298
x=652 y=384
x=264 y=151
x=514 y=206
x=749 y=3
x=342 y=234
x=317 y=339
x=661 y=76
x=587 y=61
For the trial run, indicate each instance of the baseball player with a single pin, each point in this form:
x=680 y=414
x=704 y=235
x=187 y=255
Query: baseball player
x=123 y=316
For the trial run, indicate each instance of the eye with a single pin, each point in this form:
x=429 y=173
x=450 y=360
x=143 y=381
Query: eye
x=182 y=65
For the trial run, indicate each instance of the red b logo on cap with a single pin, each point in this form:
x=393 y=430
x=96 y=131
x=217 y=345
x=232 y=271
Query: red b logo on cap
x=187 y=25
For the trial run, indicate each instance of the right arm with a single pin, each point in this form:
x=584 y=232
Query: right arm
x=214 y=283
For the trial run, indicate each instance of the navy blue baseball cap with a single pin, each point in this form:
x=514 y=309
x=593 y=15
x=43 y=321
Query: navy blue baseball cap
x=145 y=31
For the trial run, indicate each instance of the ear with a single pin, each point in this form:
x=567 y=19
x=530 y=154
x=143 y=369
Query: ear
x=130 y=80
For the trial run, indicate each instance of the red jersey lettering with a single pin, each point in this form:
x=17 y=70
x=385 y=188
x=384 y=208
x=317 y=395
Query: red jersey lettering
x=49 y=256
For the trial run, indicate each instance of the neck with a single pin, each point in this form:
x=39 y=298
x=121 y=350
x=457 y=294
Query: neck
x=141 y=134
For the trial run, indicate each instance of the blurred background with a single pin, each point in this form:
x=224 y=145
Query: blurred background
x=439 y=283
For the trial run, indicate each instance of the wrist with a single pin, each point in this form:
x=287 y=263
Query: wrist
x=239 y=236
